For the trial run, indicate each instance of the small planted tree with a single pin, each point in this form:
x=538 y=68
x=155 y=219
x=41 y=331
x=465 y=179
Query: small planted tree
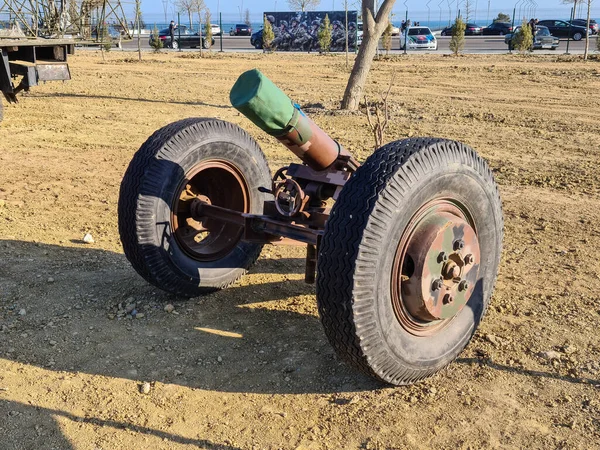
x=324 y=34
x=268 y=36
x=457 y=42
x=522 y=40
x=207 y=30
x=386 y=39
x=156 y=43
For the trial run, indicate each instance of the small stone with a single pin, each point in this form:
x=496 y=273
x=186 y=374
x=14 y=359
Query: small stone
x=287 y=378
x=111 y=316
x=53 y=343
x=50 y=280
x=88 y=239
x=219 y=359
x=22 y=311
x=550 y=355
x=569 y=349
x=145 y=388
x=169 y=308
x=24 y=335
x=140 y=315
x=130 y=308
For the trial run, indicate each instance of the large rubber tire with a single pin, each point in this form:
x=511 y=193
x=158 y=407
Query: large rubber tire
x=577 y=36
x=358 y=251
x=149 y=191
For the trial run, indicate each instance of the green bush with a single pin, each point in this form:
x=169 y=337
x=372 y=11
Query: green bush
x=207 y=30
x=268 y=35
x=522 y=39
x=157 y=42
x=457 y=42
x=324 y=35
x=386 y=38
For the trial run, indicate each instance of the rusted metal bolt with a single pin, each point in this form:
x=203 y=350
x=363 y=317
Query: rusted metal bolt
x=463 y=286
x=437 y=284
x=469 y=259
x=442 y=257
x=459 y=245
x=447 y=299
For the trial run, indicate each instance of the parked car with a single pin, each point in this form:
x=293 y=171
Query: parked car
x=560 y=28
x=471 y=29
x=497 y=29
x=241 y=29
x=543 y=40
x=419 y=38
x=395 y=30
x=215 y=29
x=256 y=39
x=594 y=27
x=184 y=38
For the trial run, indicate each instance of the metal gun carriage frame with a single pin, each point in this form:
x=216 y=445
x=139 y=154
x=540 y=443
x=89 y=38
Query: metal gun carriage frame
x=405 y=247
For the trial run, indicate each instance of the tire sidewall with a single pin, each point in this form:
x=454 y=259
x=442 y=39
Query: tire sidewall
x=447 y=170
x=469 y=189
x=172 y=174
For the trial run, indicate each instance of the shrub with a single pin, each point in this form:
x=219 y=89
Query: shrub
x=522 y=39
x=268 y=35
x=324 y=35
x=207 y=30
x=157 y=42
x=457 y=42
x=386 y=38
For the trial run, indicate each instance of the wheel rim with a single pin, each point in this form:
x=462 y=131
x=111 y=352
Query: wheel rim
x=435 y=267
x=577 y=36
x=218 y=183
x=175 y=45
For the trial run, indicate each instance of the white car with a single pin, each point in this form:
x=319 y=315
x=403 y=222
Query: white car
x=395 y=30
x=216 y=30
x=419 y=38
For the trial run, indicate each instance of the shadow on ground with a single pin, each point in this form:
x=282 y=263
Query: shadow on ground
x=24 y=425
x=131 y=99
x=262 y=335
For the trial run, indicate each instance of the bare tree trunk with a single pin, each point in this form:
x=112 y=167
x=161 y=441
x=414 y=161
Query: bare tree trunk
x=587 y=35
x=373 y=28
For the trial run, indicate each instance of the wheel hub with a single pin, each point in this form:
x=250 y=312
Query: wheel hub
x=435 y=270
x=211 y=182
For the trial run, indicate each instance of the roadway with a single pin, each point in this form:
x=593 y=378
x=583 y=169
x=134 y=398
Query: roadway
x=473 y=44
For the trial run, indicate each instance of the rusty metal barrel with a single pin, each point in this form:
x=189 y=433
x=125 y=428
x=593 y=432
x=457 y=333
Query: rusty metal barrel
x=269 y=108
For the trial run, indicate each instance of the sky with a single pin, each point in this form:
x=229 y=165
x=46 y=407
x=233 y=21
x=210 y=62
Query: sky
x=154 y=9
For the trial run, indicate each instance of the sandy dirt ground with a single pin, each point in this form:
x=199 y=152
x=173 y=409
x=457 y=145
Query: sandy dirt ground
x=250 y=367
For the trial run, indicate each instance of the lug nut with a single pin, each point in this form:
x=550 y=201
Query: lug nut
x=463 y=286
x=442 y=257
x=447 y=299
x=469 y=259
x=437 y=284
x=459 y=245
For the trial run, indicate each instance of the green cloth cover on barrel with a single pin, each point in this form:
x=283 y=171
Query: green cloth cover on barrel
x=257 y=98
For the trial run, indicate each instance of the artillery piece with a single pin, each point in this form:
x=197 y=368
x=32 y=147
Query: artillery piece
x=405 y=246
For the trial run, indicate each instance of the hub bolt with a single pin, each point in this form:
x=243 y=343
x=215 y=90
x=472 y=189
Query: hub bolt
x=463 y=286
x=459 y=245
x=469 y=259
x=447 y=299
x=437 y=284
x=442 y=257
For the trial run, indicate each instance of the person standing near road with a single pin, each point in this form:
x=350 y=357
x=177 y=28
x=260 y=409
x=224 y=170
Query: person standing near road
x=533 y=26
x=172 y=28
